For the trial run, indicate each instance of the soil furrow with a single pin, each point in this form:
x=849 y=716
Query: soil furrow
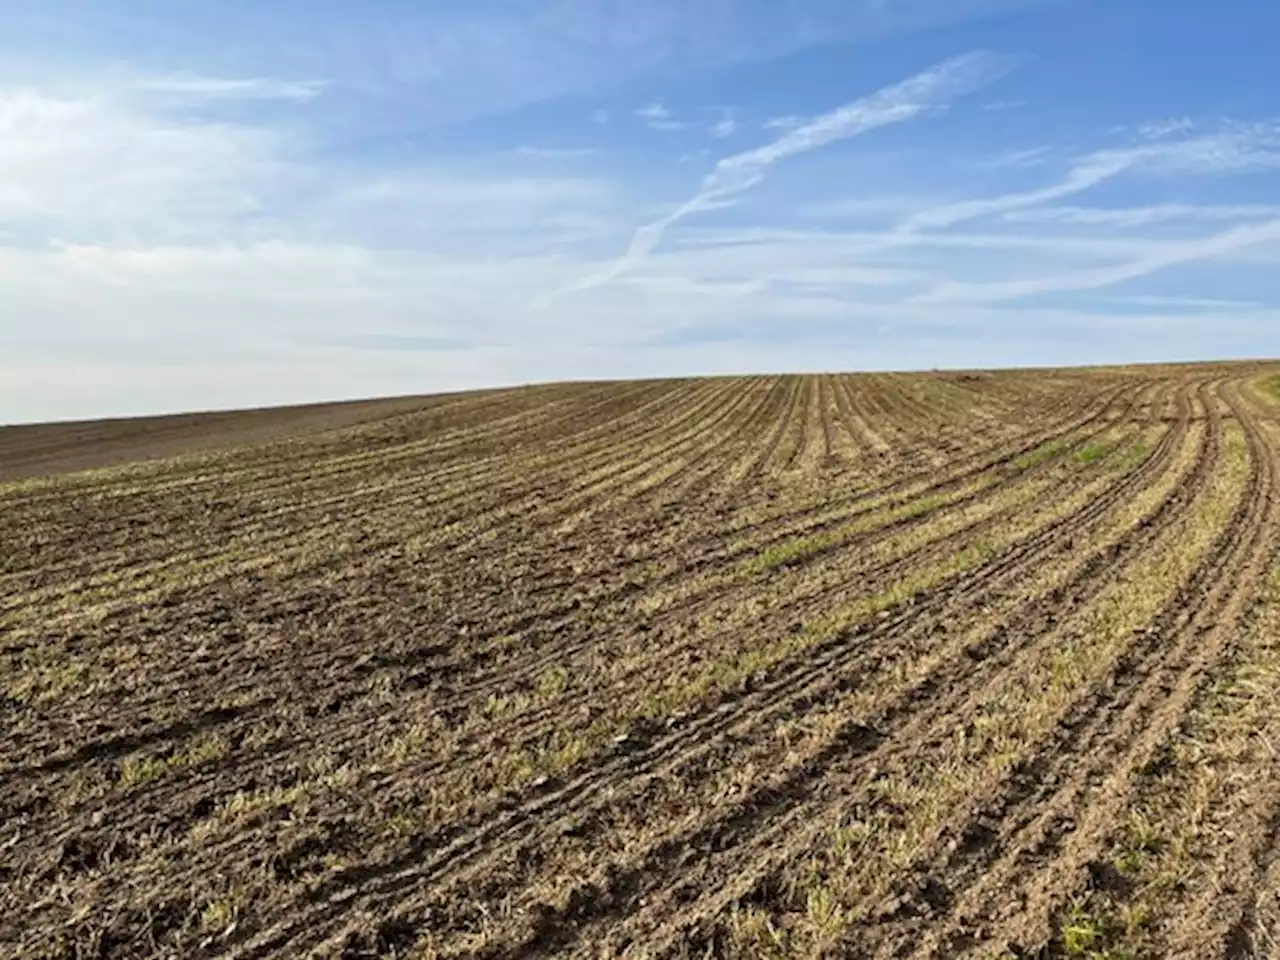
x=797 y=666
x=818 y=663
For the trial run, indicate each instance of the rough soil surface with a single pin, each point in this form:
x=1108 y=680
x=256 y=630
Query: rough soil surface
x=954 y=664
x=43 y=449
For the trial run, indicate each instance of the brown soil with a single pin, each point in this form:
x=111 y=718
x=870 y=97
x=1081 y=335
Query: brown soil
x=888 y=665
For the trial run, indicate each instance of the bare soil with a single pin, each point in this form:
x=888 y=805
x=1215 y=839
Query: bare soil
x=932 y=665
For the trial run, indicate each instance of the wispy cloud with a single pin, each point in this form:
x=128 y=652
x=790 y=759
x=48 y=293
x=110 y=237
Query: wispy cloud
x=994 y=106
x=81 y=168
x=216 y=88
x=1029 y=157
x=880 y=207
x=1172 y=254
x=173 y=236
x=1141 y=216
x=726 y=126
x=493 y=216
x=1088 y=173
x=556 y=153
x=653 y=111
x=862 y=245
x=1238 y=148
x=1192 y=303
x=658 y=117
x=1159 y=129
x=740 y=172
x=453 y=61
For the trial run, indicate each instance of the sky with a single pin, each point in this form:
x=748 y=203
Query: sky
x=214 y=205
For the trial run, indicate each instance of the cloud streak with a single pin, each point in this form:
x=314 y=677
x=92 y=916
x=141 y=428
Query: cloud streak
x=556 y=153
x=1140 y=216
x=1089 y=173
x=1174 y=254
x=1013 y=159
x=218 y=88
x=1159 y=129
x=725 y=127
x=740 y=172
x=658 y=117
x=997 y=106
x=1239 y=148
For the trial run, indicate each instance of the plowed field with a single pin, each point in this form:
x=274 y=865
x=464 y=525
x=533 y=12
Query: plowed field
x=952 y=664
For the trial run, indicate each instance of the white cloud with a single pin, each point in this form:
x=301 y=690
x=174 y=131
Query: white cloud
x=424 y=193
x=865 y=243
x=789 y=122
x=995 y=106
x=115 y=331
x=450 y=212
x=742 y=171
x=1193 y=303
x=555 y=153
x=83 y=168
x=658 y=117
x=1173 y=254
x=879 y=207
x=455 y=61
x=725 y=127
x=1141 y=216
x=653 y=111
x=1013 y=159
x=1238 y=148
x=115 y=170
x=1160 y=129
x=216 y=88
x=1088 y=173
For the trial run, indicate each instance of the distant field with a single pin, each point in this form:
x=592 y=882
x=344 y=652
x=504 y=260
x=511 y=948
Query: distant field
x=42 y=449
x=953 y=664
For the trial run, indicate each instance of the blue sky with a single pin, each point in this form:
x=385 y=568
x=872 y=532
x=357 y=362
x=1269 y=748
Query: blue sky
x=238 y=203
